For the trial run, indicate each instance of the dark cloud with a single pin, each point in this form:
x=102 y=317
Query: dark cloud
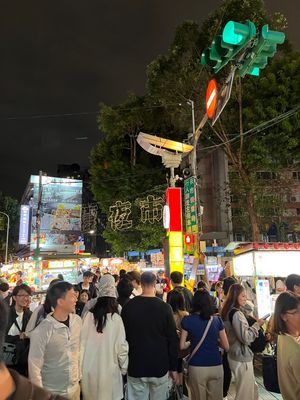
x=66 y=57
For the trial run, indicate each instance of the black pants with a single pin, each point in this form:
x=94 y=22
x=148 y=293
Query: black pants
x=227 y=375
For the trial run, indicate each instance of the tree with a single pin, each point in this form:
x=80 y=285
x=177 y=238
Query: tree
x=253 y=101
x=11 y=207
x=122 y=171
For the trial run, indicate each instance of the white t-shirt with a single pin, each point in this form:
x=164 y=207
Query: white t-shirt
x=14 y=331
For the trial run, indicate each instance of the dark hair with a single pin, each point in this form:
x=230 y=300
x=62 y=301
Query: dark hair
x=3 y=325
x=291 y=281
x=202 y=285
x=104 y=306
x=227 y=282
x=135 y=276
x=176 y=277
x=124 y=287
x=148 y=279
x=58 y=291
x=285 y=302
x=76 y=288
x=116 y=278
x=19 y=273
x=232 y=299
x=47 y=302
x=17 y=289
x=4 y=286
x=87 y=274
x=122 y=272
x=85 y=291
x=176 y=300
x=60 y=277
x=202 y=303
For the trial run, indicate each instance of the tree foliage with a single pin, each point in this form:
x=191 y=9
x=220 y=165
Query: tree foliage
x=9 y=206
x=121 y=170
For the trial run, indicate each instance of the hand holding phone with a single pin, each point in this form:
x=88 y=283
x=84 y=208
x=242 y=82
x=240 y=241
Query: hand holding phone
x=266 y=316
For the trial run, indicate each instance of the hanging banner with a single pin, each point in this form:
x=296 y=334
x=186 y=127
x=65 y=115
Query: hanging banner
x=190 y=205
x=24 y=224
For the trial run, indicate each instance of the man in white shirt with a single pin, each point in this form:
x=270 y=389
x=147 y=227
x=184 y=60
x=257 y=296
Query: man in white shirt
x=54 y=354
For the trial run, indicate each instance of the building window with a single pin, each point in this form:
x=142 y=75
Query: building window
x=266 y=175
x=239 y=237
x=296 y=175
x=236 y=212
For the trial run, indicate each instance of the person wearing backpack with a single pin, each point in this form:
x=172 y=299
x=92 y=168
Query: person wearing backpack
x=240 y=336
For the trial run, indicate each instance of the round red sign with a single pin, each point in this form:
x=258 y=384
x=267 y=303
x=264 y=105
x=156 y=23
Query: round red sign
x=211 y=100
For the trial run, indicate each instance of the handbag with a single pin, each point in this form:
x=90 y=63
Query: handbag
x=16 y=351
x=175 y=393
x=186 y=360
x=269 y=370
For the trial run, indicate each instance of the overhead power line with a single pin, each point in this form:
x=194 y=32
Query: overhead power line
x=259 y=128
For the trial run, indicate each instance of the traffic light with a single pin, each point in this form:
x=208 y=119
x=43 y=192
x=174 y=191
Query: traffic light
x=266 y=47
x=235 y=37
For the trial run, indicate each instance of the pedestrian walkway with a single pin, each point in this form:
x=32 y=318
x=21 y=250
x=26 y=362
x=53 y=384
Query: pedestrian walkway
x=263 y=393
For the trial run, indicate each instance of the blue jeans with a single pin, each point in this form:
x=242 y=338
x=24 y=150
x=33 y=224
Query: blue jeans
x=147 y=388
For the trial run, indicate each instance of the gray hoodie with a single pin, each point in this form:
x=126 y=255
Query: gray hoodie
x=240 y=336
x=54 y=355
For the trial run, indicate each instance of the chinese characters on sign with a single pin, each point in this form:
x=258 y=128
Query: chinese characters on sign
x=119 y=216
x=190 y=205
x=89 y=215
x=24 y=224
x=151 y=210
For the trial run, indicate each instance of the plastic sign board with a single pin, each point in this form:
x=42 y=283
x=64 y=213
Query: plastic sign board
x=190 y=205
x=24 y=225
x=173 y=200
x=211 y=100
x=264 y=301
x=188 y=239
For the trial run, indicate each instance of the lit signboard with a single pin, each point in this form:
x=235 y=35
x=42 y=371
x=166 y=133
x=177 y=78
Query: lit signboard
x=243 y=265
x=277 y=263
x=24 y=224
x=60 y=213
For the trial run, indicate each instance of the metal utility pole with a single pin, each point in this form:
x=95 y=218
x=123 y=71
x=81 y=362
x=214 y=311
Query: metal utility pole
x=38 y=229
x=7 y=234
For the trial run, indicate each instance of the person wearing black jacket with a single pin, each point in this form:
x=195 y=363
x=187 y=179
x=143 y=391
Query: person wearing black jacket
x=88 y=285
x=13 y=386
x=176 y=281
x=153 y=343
x=18 y=317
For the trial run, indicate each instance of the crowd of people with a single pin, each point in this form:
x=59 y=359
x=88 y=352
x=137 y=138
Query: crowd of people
x=134 y=336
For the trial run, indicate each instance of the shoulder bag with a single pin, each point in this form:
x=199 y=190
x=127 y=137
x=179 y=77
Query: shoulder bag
x=186 y=360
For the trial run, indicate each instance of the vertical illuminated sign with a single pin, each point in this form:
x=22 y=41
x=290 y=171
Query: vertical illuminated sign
x=24 y=224
x=173 y=200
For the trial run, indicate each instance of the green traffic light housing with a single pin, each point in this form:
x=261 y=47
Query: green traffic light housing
x=235 y=37
x=264 y=48
x=239 y=42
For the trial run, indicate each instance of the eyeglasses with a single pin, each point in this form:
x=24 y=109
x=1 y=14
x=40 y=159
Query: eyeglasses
x=293 y=312
x=24 y=295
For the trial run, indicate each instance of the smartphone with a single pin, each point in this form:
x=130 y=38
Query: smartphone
x=266 y=316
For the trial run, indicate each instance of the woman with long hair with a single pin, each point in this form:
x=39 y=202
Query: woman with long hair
x=176 y=301
x=104 y=349
x=240 y=336
x=287 y=327
x=205 y=367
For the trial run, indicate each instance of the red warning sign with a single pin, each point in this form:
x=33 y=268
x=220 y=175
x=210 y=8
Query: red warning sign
x=211 y=100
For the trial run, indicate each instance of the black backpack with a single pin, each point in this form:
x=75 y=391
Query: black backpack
x=259 y=344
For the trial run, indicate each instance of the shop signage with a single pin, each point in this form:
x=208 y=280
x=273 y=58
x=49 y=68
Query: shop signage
x=190 y=205
x=24 y=224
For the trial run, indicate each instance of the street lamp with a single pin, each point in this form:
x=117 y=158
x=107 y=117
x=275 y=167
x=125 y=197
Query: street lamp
x=7 y=234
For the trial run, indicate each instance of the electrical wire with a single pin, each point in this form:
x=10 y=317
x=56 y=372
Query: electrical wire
x=259 y=128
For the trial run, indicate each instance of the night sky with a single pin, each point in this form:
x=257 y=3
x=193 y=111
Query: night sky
x=64 y=57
